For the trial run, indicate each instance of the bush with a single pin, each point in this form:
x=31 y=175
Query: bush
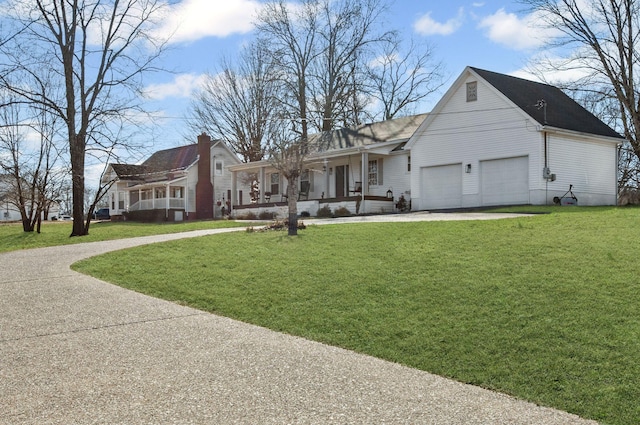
x=342 y=212
x=266 y=215
x=247 y=216
x=324 y=212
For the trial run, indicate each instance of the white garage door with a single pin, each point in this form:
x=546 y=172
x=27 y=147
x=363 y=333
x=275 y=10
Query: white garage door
x=442 y=187
x=505 y=181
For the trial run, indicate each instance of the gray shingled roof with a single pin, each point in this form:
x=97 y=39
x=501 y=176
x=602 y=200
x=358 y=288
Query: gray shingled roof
x=163 y=161
x=561 y=111
x=399 y=129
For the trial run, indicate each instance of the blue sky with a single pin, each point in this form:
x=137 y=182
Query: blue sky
x=493 y=34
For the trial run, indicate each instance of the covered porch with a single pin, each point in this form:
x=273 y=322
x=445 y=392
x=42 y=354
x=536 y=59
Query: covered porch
x=152 y=201
x=350 y=181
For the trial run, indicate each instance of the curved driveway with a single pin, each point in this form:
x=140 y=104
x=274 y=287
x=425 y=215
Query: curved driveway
x=77 y=350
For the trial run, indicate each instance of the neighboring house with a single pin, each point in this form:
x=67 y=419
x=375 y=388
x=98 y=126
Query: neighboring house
x=491 y=140
x=8 y=209
x=9 y=212
x=183 y=183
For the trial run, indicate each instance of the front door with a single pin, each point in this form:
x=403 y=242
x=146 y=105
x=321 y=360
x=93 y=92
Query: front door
x=342 y=180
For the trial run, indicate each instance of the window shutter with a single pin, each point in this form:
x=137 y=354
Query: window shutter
x=380 y=172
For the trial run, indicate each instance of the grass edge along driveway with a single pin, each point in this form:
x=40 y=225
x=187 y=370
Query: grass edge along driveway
x=544 y=308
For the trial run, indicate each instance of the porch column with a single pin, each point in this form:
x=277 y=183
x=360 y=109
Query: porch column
x=168 y=202
x=234 y=190
x=365 y=178
x=139 y=199
x=261 y=186
x=326 y=179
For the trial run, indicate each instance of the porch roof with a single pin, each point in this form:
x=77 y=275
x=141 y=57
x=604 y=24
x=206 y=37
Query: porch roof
x=387 y=136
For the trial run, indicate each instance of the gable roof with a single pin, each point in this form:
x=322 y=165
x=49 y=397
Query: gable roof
x=394 y=130
x=173 y=159
x=561 y=111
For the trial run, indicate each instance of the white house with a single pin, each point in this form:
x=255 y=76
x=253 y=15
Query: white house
x=494 y=139
x=8 y=209
x=183 y=183
x=364 y=170
x=491 y=140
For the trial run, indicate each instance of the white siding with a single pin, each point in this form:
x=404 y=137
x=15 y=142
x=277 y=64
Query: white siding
x=470 y=132
x=395 y=175
x=221 y=183
x=589 y=166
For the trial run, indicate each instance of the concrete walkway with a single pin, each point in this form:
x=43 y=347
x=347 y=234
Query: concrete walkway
x=77 y=350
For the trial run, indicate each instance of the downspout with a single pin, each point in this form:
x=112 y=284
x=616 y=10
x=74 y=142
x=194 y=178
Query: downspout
x=617 y=184
x=546 y=168
x=365 y=180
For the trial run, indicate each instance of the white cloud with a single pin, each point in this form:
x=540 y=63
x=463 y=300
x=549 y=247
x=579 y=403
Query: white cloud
x=426 y=25
x=191 y=20
x=518 y=33
x=555 y=69
x=183 y=85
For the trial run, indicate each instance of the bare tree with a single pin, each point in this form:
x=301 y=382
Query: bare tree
x=96 y=52
x=29 y=164
x=603 y=37
x=400 y=80
x=238 y=104
x=348 y=30
x=288 y=154
x=291 y=36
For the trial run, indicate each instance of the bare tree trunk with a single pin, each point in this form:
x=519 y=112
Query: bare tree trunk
x=293 y=206
x=77 y=152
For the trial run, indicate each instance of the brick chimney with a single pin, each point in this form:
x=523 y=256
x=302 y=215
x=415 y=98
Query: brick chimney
x=204 y=188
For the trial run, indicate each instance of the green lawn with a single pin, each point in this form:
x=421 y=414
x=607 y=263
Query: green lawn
x=55 y=233
x=545 y=308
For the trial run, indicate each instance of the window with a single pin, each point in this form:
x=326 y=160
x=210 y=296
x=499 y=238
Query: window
x=409 y=163
x=146 y=194
x=176 y=192
x=275 y=184
x=472 y=91
x=160 y=193
x=375 y=172
x=306 y=181
x=121 y=200
x=218 y=168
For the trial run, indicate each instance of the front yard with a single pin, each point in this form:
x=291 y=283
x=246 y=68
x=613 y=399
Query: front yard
x=545 y=308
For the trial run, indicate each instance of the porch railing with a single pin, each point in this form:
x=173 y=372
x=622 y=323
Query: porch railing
x=157 y=204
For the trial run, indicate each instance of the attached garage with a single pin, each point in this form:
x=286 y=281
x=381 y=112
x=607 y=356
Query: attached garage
x=441 y=186
x=505 y=181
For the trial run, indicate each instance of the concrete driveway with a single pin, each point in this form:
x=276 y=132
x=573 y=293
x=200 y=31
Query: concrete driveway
x=77 y=350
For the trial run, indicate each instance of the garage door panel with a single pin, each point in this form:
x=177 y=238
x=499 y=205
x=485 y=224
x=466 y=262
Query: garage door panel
x=505 y=181
x=442 y=186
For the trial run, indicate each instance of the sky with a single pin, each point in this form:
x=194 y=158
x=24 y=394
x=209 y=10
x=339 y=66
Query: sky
x=496 y=35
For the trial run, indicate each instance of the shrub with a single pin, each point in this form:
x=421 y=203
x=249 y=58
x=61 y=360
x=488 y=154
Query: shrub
x=324 y=212
x=342 y=212
x=266 y=215
x=247 y=216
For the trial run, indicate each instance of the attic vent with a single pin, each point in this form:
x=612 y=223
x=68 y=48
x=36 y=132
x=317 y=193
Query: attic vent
x=472 y=91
